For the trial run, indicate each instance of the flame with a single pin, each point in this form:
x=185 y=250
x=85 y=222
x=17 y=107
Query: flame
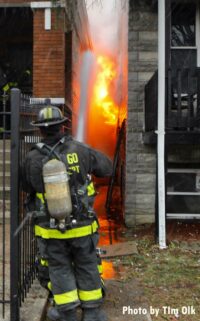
x=103 y=111
x=103 y=90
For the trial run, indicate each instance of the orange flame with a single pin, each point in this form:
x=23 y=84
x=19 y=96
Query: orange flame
x=103 y=90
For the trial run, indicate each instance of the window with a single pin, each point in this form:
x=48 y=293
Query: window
x=183 y=25
x=184 y=31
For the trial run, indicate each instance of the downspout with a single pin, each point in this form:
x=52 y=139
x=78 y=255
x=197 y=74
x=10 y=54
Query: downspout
x=161 y=125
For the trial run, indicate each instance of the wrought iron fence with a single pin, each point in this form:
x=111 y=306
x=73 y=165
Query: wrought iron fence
x=4 y=204
x=22 y=241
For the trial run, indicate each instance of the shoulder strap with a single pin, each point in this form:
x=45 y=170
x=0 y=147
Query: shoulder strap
x=49 y=151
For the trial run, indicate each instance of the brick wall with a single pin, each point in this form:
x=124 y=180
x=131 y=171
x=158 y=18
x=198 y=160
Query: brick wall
x=140 y=159
x=48 y=56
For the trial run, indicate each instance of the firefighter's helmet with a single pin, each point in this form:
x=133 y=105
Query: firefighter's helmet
x=49 y=116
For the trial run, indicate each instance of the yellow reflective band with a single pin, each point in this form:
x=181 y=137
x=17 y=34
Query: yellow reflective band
x=40 y=196
x=44 y=112
x=66 y=297
x=47 y=233
x=44 y=262
x=100 y=269
x=48 y=113
x=49 y=286
x=90 y=189
x=90 y=295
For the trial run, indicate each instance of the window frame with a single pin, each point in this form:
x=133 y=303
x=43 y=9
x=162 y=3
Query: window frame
x=197 y=36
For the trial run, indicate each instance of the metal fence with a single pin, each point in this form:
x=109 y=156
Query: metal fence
x=4 y=204
x=18 y=247
x=22 y=241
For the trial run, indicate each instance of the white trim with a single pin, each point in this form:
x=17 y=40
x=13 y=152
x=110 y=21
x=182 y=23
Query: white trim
x=161 y=125
x=47 y=19
x=184 y=193
x=41 y=4
x=57 y=101
x=185 y=216
x=184 y=170
x=182 y=47
x=45 y=4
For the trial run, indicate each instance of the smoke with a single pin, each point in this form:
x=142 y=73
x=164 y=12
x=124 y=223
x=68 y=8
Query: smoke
x=108 y=29
x=107 y=21
x=104 y=25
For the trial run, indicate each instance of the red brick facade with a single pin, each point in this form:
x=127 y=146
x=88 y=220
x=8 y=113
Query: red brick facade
x=48 y=56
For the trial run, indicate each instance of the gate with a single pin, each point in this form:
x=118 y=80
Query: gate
x=22 y=241
x=18 y=247
x=4 y=206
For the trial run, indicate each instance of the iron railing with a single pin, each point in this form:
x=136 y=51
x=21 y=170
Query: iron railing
x=182 y=108
x=22 y=241
x=116 y=189
x=4 y=204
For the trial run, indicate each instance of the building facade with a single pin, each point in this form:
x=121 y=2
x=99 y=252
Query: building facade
x=181 y=96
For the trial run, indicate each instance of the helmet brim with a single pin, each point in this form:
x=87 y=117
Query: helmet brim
x=48 y=124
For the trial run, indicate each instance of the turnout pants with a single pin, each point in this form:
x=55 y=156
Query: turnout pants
x=74 y=273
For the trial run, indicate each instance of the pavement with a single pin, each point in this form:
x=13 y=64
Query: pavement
x=33 y=308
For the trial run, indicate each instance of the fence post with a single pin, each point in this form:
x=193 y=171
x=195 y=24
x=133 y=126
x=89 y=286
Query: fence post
x=14 y=205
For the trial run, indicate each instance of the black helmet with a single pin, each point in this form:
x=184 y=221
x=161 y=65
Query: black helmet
x=49 y=116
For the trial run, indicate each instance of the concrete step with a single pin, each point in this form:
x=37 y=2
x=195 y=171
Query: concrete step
x=6 y=178
x=6 y=155
x=7 y=217
x=7 y=165
x=5 y=203
x=5 y=194
x=6 y=142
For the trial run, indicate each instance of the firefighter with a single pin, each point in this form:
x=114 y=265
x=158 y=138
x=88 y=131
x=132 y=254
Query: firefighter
x=42 y=258
x=71 y=242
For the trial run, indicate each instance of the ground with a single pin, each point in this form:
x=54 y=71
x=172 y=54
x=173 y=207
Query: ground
x=166 y=281
x=151 y=280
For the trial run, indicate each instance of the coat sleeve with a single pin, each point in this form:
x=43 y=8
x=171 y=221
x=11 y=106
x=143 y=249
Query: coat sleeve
x=100 y=164
x=25 y=175
x=31 y=174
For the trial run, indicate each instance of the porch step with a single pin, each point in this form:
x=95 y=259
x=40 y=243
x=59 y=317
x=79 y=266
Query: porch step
x=7 y=154
x=7 y=165
x=5 y=203
x=7 y=217
x=7 y=193
x=184 y=170
x=6 y=142
x=184 y=216
x=183 y=191
x=6 y=178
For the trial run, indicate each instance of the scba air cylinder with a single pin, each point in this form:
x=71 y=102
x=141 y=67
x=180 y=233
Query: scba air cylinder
x=56 y=185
